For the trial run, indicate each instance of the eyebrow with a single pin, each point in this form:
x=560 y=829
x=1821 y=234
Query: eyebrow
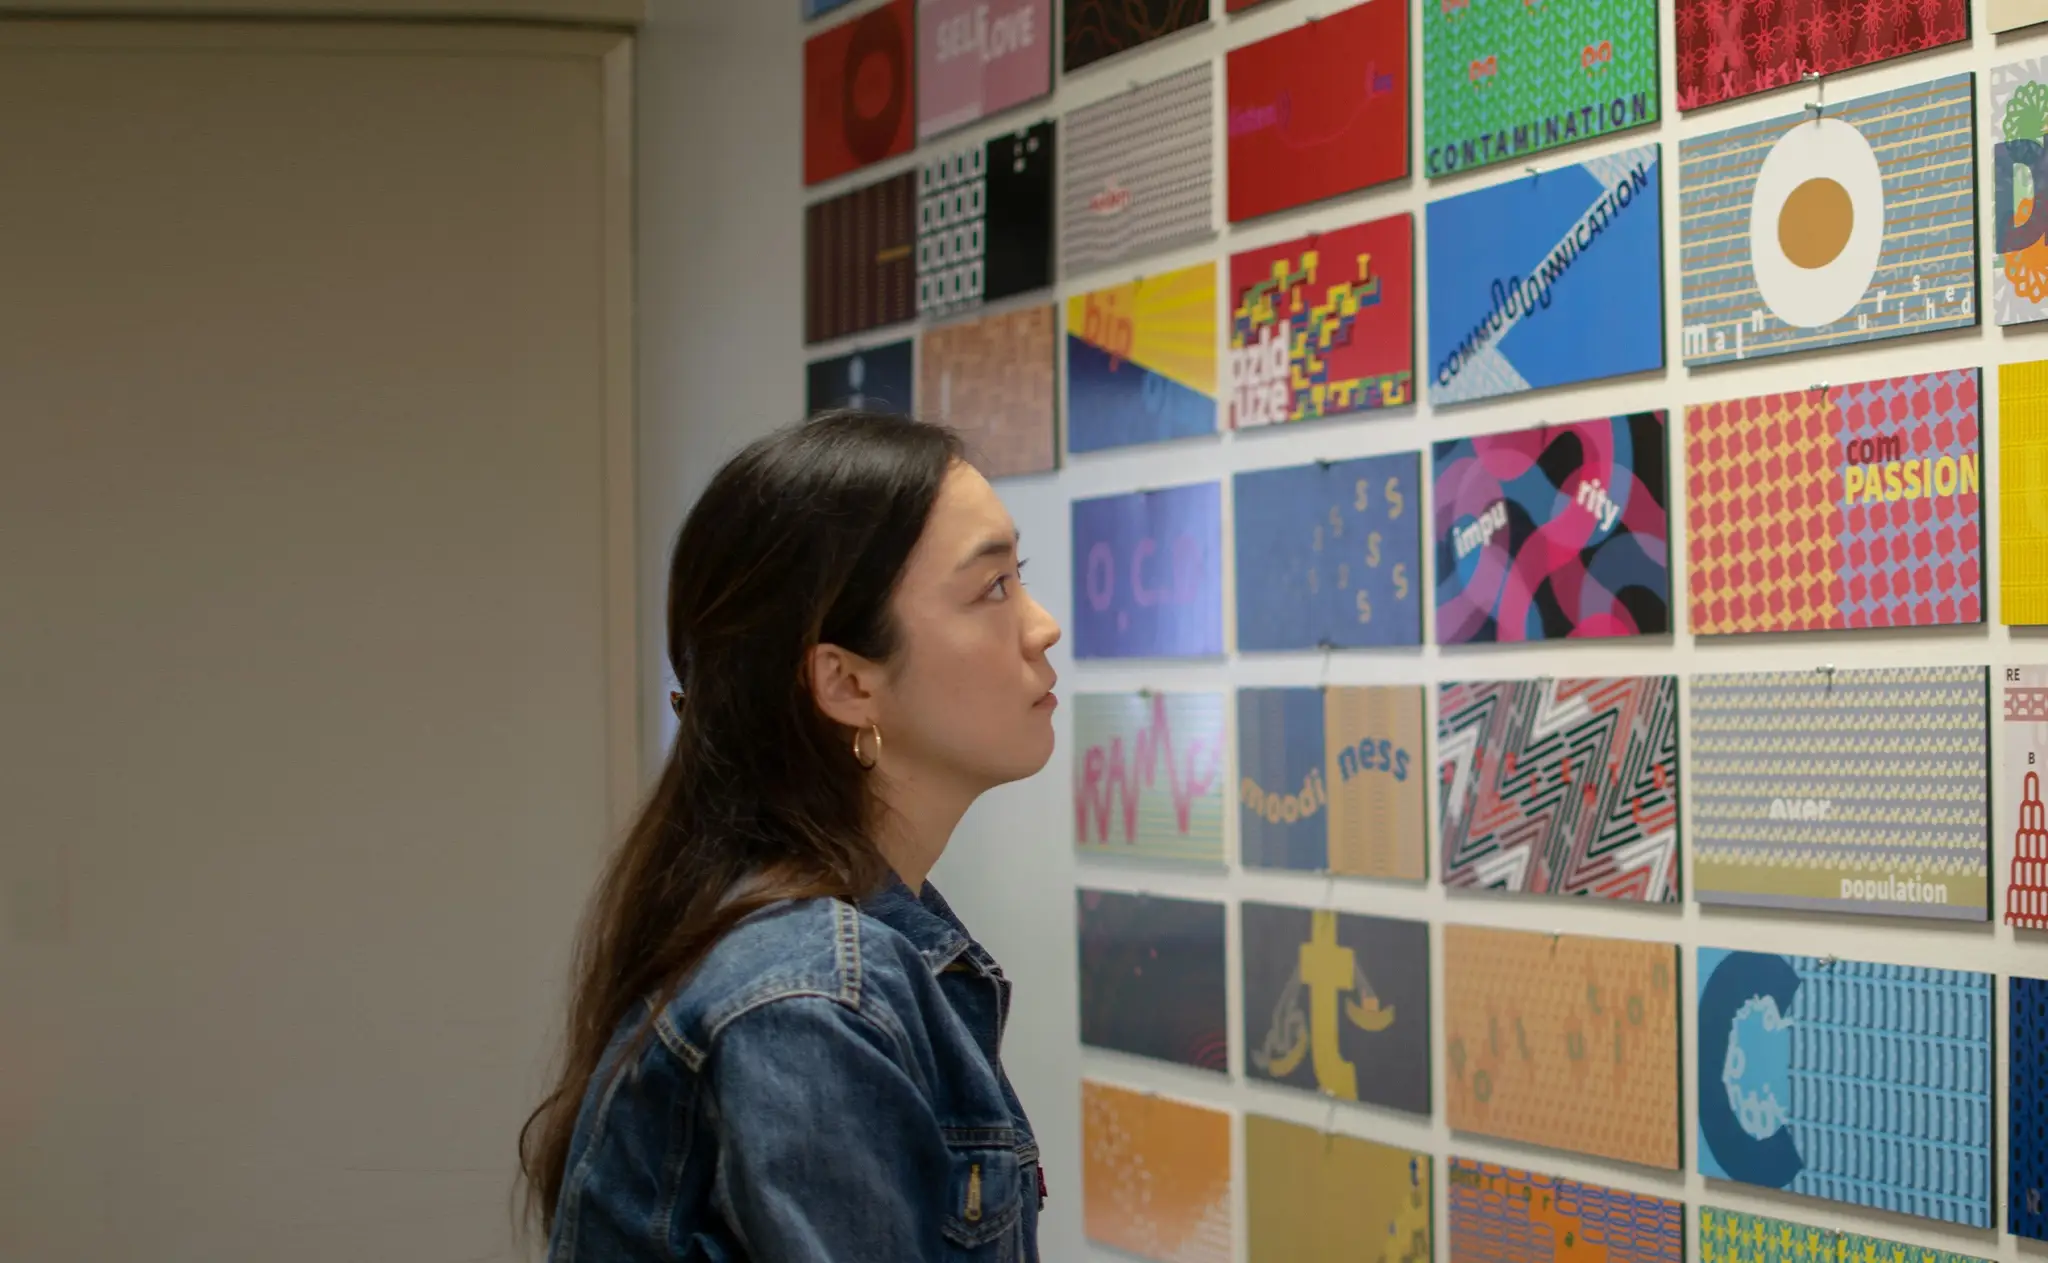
x=995 y=547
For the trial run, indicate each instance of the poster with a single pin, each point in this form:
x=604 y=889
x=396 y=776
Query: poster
x=1152 y=978
x=1798 y=233
x=1843 y=791
x=2023 y=493
x=1318 y=110
x=1822 y=510
x=1149 y=773
x=1096 y=29
x=1856 y=1083
x=1736 y=48
x=2023 y=712
x=2018 y=126
x=979 y=57
x=2011 y=15
x=1501 y=81
x=1323 y=325
x=1564 y=1041
x=858 y=268
x=1148 y=574
x=1728 y=1236
x=1138 y=172
x=1330 y=556
x=1548 y=279
x=1560 y=787
x=993 y=379
x=1317 y=1198
x=1338 y=1004
x=1141 y=361
x=1502 y=1214
x=1155 y=1176
x=857 y=92
x=1553 y=532
x=876 y=378
x=2026 y=1122
x=984 y=221
x=1331 y=780
x=817 y=8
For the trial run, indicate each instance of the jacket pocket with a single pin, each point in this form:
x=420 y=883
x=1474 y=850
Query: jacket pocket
x=984 y=1201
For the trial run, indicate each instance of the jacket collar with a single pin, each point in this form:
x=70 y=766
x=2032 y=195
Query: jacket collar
x=928 y=921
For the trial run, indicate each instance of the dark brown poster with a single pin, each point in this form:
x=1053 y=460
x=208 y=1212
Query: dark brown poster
x=1152 y=977
x=860 y=272
x=1096 y=29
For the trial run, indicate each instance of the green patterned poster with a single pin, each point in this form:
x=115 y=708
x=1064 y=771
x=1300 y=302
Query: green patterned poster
x=1149 y=775
x=1503 y=79
x=1729 y=1237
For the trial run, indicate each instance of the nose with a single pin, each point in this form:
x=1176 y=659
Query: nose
x=1041 y=629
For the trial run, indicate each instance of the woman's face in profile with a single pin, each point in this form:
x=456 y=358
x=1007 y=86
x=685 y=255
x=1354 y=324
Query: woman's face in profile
x=969 y=695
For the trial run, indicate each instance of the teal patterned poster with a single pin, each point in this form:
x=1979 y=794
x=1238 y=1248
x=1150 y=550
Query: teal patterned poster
x=1505 y=78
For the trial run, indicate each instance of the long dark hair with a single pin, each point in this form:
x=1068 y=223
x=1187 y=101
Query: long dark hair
x=798 y=541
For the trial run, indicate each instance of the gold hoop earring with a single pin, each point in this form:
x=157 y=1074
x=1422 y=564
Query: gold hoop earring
x=867 y=763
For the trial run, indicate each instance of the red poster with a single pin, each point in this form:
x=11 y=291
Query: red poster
x=1239 y=6
x=1323 y=325
x=1319 y=110
x=1734 y=48
x=857 y=92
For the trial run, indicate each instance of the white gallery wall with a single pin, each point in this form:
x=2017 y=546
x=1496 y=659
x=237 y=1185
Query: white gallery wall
x=316 y=599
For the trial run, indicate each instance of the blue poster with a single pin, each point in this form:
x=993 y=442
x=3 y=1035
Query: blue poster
x=1330 y=555
x=818 y=8
x=876 y=378
x=1148 y=574
x=1280 y=752
x=1547 y=280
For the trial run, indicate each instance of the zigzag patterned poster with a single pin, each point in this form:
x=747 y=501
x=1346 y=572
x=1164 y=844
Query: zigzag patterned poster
x=1857 y=1083
x=1138 y=172
x=1728 y=1236
x=1141 y=361
x=1148 y=775
x=1152 y=978
x=1148 y=574
x=2024 y=815
x=1562 y=787
x=875 y=377
x=1563 y=1040
x=979 y=57
x=1554 y=532
x=2023 y=493
x=1323 y=325
x=1822 y=510
x=1501 y=1214
x=1796 y=233
x=1155 y=1176
x=984 y=221
x=1503 y=80
x=2019 y=178
x=2026 y=1123
x=1337 y=1004
x=1318 y=110
x=1548 y=279
x=1312 y=1197
x=1330 y=555
x=1843 y=791
x=1735 y=48
x=1331 y=780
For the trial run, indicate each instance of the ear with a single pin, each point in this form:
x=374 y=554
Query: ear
x=842 y=684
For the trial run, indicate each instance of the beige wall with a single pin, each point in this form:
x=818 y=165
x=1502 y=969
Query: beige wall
x=316 y=598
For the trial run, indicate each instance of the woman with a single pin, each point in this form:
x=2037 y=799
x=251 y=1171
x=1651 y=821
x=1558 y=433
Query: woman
x=782 y=1044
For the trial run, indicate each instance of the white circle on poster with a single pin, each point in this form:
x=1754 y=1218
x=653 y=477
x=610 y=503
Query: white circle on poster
x=1816 y=223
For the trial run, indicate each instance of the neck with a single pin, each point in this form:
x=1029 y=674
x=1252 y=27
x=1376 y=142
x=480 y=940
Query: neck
x=916 y=820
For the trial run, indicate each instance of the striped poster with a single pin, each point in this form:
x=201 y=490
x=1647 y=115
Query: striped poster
x=1139 y=172
x=1797 y=233
x=1843 y=791
x=1148 y=775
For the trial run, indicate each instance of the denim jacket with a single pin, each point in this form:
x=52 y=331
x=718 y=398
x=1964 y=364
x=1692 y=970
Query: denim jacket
x=826 y=1086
